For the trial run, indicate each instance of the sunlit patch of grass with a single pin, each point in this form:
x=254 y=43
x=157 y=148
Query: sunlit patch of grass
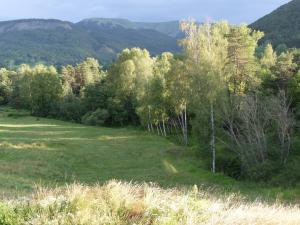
x=34 y=145
x=169 y=167
x=109 y=138
x=27 y=125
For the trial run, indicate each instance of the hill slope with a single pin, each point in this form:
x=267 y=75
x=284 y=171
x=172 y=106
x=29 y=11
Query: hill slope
x=46 y=41
x=60 y=42
x=51 y=152
x=111 y=38
x=282 y=26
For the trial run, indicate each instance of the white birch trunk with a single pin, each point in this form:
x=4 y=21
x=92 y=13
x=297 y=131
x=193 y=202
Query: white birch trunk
x=212 y=143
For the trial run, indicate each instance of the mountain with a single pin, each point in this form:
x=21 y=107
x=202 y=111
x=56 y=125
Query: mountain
x=45 y=41
x=282 y=26
x=113 y=35
x=170 y=28
x=61 y=42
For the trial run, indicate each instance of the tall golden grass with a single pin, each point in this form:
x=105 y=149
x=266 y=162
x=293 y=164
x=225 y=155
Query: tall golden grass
x=118 y=203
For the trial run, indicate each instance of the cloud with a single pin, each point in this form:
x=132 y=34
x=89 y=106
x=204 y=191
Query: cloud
x=235 y=11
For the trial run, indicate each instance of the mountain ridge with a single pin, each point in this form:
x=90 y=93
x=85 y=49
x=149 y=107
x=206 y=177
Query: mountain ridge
x=282 y=26
x=170 y=28
x=58 y=42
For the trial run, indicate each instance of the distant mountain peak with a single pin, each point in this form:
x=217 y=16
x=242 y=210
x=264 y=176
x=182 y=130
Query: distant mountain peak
x=170 y=28
x=33 y=24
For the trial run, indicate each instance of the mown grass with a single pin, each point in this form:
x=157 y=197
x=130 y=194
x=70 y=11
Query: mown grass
x=45 y=152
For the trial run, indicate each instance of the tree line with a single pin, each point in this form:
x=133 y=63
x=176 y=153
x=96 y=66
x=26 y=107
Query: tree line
x=239 y=102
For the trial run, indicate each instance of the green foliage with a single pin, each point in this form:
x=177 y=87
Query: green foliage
x=241 y=62
x=75 y=79
x=70 y=108
x=288 y=176
x=262 y=172
x=6 y=85
x=97 y=118
x=269 y=58
x=46 y=93
x=127 y=79
x=96 y=95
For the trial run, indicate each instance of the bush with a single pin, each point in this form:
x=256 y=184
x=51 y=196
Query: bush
x=289 y=176
x=96 y=118
x=71 y=109
x=262 y=172
x=229 y=165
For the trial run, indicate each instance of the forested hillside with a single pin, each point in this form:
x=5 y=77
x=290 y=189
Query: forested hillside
x=242 y=110
x=281 y=26
x=59 y=42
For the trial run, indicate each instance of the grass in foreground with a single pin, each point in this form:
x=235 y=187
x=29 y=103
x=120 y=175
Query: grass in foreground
x=52 y=153
x=117 y=203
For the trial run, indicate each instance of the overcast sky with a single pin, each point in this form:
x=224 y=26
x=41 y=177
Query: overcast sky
x=235 y=11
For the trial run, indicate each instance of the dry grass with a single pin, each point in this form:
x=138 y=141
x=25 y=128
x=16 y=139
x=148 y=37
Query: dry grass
x=124 y=203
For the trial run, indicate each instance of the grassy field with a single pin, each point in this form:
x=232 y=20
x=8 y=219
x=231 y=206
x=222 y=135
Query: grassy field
x=45 y=152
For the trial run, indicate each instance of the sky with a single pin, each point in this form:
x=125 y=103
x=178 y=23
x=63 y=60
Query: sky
x=235 y=11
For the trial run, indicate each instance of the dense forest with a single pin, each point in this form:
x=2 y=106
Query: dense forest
x=239 y=108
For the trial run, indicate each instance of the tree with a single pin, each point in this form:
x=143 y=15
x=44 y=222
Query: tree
x=22 y=91
x=284 y=122
x=6 y=86
x=151 y=107
x=248 y=130
x=241 y=62
x=85 y=73
x=206 y=51
x=269 y=58
x=257 y=117
x=128 y=78
x=284 y=70
x=46 y=91
x=178 y=87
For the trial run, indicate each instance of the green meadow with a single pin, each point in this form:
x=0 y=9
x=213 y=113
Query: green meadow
x=51 y=153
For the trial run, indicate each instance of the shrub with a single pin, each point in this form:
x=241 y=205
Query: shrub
x=70 y=109
x=289 y=176
x=262 y=172
x=229 y=165
x=96 y=118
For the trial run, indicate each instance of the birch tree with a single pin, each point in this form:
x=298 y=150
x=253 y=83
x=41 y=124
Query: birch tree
x=206 y=51
x=178 y=86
